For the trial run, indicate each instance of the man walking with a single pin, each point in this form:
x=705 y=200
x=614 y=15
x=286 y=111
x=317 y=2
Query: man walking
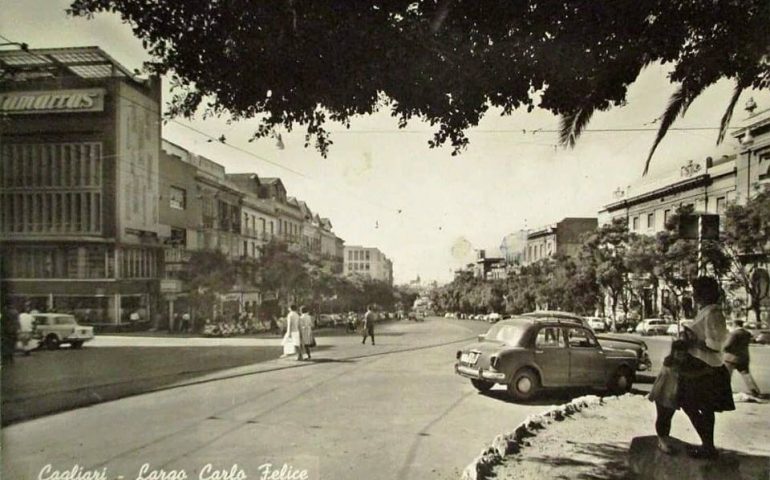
x=369 y=320
x=736 y=355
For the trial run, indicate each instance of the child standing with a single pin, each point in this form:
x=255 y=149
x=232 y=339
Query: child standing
x=664 y=393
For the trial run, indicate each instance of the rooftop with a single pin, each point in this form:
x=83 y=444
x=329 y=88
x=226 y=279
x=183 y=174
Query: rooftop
x=82 y=62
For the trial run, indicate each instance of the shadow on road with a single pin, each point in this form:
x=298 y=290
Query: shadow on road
x=53 y=381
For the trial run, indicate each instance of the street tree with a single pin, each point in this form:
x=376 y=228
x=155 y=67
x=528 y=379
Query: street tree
x=208 y=274
x=747 y=240
x=677 y=262
x=281 y=274
x=604 y=252
x=443 y=61
x=640 y=260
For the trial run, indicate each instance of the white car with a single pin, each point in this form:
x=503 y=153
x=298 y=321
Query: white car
x=597 y=324
x=652 y=326
x=58 y=328
x=494 y=317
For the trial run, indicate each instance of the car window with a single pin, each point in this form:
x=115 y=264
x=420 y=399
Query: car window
x=581 y=338
x=65 y=320
x=550 y=337
x=41 y=321
x=508 y=334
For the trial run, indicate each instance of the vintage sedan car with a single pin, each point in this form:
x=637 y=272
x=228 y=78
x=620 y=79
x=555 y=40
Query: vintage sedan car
x=59 y=328
x=597 y=324
x=529 y=353
x=607 y=340
x=652 y=326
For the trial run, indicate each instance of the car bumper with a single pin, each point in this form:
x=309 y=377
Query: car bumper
x=479 y=373
x=78 y=338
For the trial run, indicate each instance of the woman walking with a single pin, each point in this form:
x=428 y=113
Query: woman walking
x=293 y=335
x=306 y=330
x=704 y=386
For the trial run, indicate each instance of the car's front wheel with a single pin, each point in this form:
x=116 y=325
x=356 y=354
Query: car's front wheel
x=622 y=381
x=482 y=385
x=51 y=342
x=525 y=385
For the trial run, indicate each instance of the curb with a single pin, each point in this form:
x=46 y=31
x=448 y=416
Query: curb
x=507 y=443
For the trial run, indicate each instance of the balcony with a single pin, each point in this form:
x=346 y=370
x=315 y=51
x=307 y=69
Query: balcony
x=176 y=255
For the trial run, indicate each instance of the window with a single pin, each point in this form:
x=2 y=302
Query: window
x=580 y=338
x=635 y=224
x=366 y=255
x=721 y=205
x=550 y=337
x=666 y=216
x=650 y=220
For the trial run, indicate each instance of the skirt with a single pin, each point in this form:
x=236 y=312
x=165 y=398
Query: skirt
x=703 y=387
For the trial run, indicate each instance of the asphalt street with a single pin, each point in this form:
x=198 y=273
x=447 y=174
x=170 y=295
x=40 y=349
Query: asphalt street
x=394 y=410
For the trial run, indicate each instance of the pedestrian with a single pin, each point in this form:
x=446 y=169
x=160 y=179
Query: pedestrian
x=293 y=333
x=704 y=386
x=736 y=355
x=370 y=318
x=10 y=332
x=306 y=329
x=664 y=393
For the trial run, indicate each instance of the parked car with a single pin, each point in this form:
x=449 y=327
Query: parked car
x=494 y=317
x=762 y=337
x=324 y=320
x=529 y=353
x=597 y=324
x=607 y=340
x=60 y=328
x=652 y=326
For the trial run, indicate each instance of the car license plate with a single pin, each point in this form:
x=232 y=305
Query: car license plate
x=469 y=358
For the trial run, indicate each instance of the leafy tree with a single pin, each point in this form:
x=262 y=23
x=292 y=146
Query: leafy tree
x=446 y=61
x=640 y=261
x=747 y=240
x=677 y=263
x=282 y=273
x=209 y=273
x=604 y=253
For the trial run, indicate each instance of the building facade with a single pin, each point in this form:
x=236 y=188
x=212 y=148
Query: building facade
x=368 y=262
x=79 y=153
x=562 y=238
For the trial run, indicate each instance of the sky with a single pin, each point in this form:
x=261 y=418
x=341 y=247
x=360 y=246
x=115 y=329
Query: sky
x=427 y=210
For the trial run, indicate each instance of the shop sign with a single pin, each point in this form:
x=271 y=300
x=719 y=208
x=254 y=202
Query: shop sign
x=55 y=101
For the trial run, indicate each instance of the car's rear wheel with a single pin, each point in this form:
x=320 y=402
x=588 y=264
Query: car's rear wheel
x=482 y=385
x=622 y=381
x=51 y=342
x=525 y=385
x=77 y=344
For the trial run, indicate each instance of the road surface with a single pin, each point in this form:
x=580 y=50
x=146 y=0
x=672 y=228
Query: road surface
x=394 y=410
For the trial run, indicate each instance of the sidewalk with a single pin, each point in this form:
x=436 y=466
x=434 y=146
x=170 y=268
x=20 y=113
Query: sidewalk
x=616 y=440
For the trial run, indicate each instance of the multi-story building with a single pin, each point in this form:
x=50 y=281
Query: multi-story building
x=561 y=238
x=368 y=262
x=79 y=153
x=489 y=268
x=260 y=222
x=707 y=185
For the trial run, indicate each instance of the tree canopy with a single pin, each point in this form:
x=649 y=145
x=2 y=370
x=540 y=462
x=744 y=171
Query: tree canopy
x=447 y=62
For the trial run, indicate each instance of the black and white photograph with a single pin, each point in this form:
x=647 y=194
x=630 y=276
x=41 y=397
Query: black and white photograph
x=418 y=240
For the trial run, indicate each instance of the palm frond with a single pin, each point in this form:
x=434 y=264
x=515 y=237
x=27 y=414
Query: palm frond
x=729 y=112
x=572 y=125
x=677 y=104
